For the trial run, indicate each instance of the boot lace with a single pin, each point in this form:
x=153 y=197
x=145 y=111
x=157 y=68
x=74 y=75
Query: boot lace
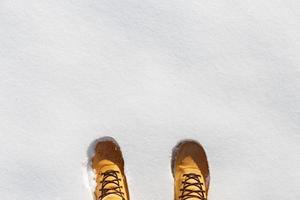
x=111 y=184
x=192 y=187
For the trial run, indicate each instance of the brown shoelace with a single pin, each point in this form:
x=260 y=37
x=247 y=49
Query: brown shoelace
x=192 y=187
x=111 y=179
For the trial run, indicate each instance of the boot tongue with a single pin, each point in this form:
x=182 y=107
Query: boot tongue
x=112 y=197
x=192 y=188
x=108 y=166
x=193 y=184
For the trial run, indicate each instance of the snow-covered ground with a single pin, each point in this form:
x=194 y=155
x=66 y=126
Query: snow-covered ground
x=149 y=73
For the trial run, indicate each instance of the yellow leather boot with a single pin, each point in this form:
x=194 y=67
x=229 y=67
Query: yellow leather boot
x=190 y=171
x=108 y=165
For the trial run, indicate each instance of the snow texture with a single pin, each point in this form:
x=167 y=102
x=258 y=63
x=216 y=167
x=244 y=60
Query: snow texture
x=150 y=73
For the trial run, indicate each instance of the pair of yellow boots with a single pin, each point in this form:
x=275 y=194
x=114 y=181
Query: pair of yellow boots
x=189 y=167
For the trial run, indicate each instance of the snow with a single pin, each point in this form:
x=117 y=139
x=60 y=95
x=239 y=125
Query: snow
x=150 y=73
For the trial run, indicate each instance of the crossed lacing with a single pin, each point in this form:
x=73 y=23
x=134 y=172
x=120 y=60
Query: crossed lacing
x=192 y=187
x=111 y=178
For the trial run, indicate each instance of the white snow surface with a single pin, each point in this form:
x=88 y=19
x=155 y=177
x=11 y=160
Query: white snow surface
x=150 y=73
